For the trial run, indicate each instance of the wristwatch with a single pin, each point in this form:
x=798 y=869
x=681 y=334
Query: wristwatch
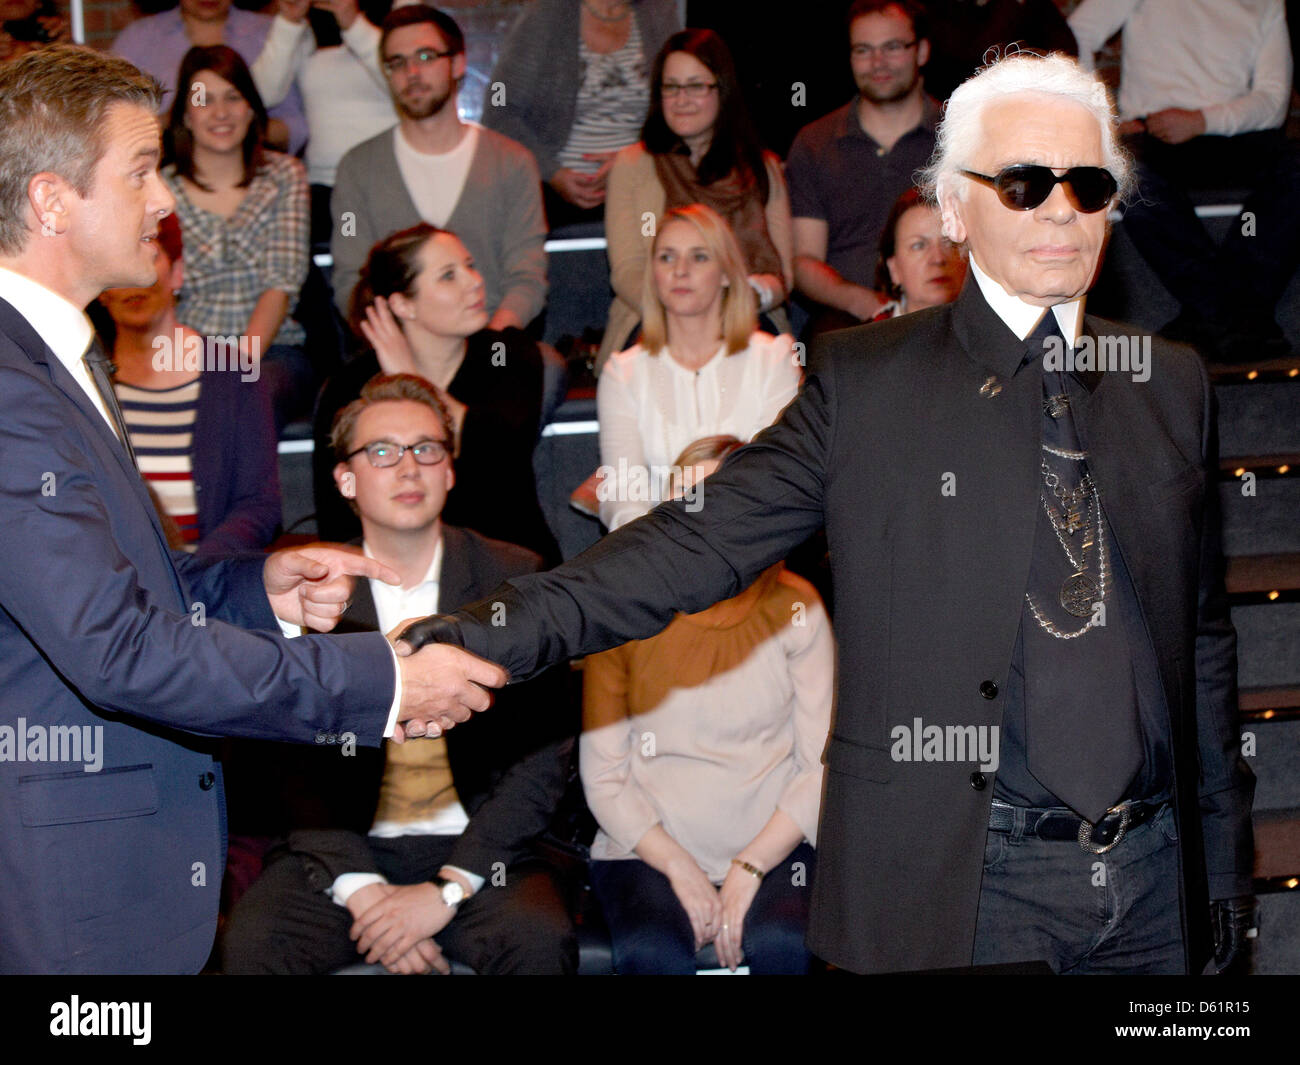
x=453 y=894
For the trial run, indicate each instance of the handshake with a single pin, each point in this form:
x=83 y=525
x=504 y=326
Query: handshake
x=442 y=683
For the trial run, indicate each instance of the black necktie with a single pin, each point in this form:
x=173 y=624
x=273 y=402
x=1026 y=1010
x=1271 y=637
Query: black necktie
x=1083 y=740
x=98 y=364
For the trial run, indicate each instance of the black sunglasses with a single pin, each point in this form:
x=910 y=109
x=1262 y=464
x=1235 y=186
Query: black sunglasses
x=1024 y=186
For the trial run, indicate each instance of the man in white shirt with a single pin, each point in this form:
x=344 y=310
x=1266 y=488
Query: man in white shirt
x=398 y=856
x=433 y=167
x=1204 y=87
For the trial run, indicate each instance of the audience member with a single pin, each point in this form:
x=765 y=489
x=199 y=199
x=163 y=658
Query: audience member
x=706 y=836
x=26 y=25
x=344 y=93
x=966 y=34
x=157 y=44
x=1204 y=87
x=572 y=85
x=698 y=145
x=421 y=305
x=244 y=215
x=919 y=267
x=400 y=855
x=435 y=168
x=200 y=421
x=701 y=366
x=846 y=168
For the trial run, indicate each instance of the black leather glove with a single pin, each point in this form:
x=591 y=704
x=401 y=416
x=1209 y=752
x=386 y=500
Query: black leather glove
x=436 y=628
x=1234 y=926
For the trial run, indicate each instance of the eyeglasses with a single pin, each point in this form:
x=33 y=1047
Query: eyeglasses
x=890 y=49
x=424 y=57
x=694 y=90
x=1023 y=187
x=384 y=453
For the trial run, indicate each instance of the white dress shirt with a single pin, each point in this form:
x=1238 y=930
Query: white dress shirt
x=1230 y=59
x=393 y=606
x=1022 y=318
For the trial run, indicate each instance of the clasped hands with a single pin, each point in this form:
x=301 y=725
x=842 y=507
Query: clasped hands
x=717 y=914
x=442 y=683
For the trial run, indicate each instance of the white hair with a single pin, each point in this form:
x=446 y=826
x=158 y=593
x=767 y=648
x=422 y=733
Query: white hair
x=960 y=133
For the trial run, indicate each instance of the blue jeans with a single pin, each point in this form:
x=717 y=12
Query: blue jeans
x=652 y=935
x=1051 y=900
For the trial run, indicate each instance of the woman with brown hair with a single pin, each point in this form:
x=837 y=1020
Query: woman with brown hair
x=421 y=306
x=698 y=145
x=245 y=216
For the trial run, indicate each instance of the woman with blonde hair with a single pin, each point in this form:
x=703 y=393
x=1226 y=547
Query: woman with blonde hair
x=701 y=367
x=707 y=828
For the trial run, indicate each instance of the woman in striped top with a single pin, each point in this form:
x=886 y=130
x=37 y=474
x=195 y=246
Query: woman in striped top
x=200 y=423
x=572 y=86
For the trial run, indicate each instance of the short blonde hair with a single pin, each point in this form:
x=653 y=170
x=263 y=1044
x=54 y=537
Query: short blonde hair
x=739 y=308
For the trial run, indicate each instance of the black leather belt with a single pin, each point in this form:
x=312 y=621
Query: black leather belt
x=1063 y=824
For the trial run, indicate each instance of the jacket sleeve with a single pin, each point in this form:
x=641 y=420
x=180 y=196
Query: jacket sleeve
x=352 y=234
x=79 y=599
x=766 y=499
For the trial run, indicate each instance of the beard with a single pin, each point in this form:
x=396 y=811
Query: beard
x=893 y=94
x=425 y=108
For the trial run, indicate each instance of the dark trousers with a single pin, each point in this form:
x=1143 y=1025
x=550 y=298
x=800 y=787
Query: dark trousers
x=1051 y=900
x=652 y=935
x=1236 y=285
x=285 y=925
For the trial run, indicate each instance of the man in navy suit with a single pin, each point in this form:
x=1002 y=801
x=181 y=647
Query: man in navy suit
x=117 y=658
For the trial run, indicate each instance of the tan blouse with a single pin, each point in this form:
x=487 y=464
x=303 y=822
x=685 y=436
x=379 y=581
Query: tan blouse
x=711 y=726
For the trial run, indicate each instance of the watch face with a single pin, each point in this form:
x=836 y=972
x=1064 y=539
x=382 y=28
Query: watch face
x=452 y=893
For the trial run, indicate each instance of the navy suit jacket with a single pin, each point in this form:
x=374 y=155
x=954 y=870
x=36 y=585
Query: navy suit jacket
x=102 y=627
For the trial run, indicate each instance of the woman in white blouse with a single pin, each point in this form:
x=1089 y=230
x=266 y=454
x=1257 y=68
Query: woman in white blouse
x=701 y=367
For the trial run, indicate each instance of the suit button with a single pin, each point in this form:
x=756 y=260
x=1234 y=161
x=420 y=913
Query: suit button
x=978 y=781
x=206 y=781
x=988 y=689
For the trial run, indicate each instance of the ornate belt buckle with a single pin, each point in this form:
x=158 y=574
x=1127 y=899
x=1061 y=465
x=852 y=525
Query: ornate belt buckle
x=1086 y=827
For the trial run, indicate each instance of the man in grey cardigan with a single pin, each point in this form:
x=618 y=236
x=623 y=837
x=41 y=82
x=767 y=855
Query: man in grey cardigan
x=433 y=167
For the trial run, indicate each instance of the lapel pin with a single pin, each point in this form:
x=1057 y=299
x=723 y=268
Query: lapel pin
x=991 y=387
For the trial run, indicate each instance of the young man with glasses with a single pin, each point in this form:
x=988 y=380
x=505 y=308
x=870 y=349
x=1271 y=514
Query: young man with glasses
x=433 y=167
x=847 y=168
x=398 y=856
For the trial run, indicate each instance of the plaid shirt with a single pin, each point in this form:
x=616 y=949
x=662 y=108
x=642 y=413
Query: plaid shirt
x=230 y=262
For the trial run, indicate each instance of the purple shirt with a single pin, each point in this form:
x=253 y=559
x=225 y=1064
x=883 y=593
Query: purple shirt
x=158 y=43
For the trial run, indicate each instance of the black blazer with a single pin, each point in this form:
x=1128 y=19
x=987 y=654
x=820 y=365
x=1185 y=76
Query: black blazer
x=928 y=596
x=508 y=764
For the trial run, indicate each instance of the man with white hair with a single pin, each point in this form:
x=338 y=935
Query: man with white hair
x=1035 y=754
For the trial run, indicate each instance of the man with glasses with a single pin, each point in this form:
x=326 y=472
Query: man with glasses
x=399 y=856
x=1035 y=756
x=846 y=169
x=433 y=167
